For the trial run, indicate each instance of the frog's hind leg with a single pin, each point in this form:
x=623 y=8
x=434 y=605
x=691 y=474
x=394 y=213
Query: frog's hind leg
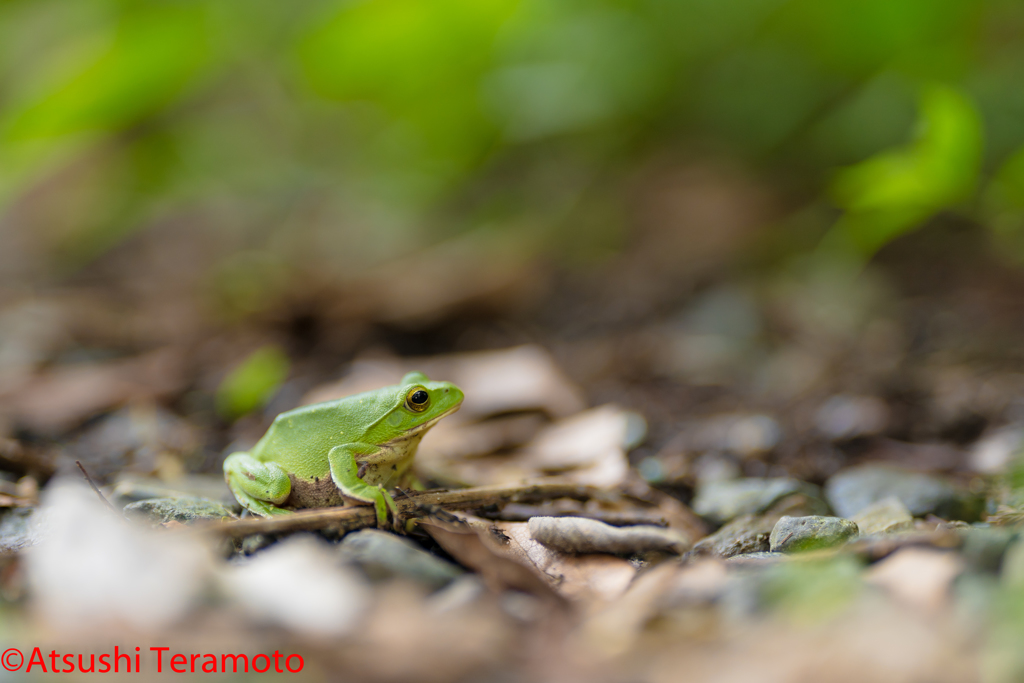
x=259 y=486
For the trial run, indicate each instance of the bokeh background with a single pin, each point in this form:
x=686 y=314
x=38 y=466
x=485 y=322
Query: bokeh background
x=686 y=192
x=243 y=154
x=788 y=234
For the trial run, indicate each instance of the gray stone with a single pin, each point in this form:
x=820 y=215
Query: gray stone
x=131 y=489
x=745 y=534
x=854 y=489
x=184 y=510
x=384 y=555
x=722 y=500
x=749 y=533
x=884 y=517
x=796 y=534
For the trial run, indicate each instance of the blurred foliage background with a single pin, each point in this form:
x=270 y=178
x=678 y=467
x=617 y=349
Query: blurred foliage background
x=311 y=142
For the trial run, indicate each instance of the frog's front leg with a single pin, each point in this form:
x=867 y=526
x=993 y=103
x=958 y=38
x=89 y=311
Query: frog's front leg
x=345 y=473
x=259 y=486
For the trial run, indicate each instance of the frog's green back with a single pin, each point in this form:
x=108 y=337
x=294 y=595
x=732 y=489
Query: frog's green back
x=301 y=438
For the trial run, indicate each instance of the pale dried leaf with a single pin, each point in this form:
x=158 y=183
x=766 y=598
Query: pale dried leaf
x=64 y=396
x=405 y=638
x=699 y=581
x=577 y=577
x=476 y=549
x=588 y=448
x=613 y=630
x=582 y=535
x=917 y=576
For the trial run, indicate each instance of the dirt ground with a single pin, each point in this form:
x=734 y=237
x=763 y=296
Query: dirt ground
x=681 y=412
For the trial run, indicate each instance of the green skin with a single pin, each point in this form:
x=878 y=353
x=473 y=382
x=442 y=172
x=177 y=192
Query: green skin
x=353 y=448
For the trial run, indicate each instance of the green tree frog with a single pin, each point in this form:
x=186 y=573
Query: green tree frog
x=355 y=447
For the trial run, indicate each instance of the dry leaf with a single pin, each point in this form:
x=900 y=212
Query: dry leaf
x=591 y=578
x=918 y=576
x=588 y=448
x=581 y=535
x=614 y=629
x=475 y=549
x=403 y=639
x=64 y=396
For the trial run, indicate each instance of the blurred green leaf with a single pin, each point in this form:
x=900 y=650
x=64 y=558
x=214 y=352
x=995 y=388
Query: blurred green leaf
x=107 y=82
x=344 y=132
x=564 y=67
x=118 y=66
x=1007 y=188
x=895 y=191
x=252 y=384
x=783 y=87
x=857 y=36
x=419 y=66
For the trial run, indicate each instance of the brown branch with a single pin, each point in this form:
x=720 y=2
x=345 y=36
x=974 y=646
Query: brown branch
x=361 y=516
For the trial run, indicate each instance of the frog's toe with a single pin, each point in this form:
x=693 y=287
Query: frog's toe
x=380 y=506
x=258 y=507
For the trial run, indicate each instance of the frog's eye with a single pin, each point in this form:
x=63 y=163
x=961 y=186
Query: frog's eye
x=417 y=400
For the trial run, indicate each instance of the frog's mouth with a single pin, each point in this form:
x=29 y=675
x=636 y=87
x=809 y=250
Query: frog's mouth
x=419 y=429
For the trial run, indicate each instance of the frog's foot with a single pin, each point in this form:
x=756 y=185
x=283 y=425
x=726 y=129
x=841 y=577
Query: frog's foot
x=385 y=503
x=345 y=473
x=381 y=501
x=259 y=486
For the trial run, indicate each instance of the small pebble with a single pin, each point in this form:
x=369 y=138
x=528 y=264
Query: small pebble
x=884 y=517
x=749 y=533
x=797 y=534
x=384 y=555
x=854 y=489
x=184 y=510
x=743 y=535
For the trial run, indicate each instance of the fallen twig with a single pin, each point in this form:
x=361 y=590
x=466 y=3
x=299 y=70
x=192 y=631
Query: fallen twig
x=96 y=488
x=361 y=516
